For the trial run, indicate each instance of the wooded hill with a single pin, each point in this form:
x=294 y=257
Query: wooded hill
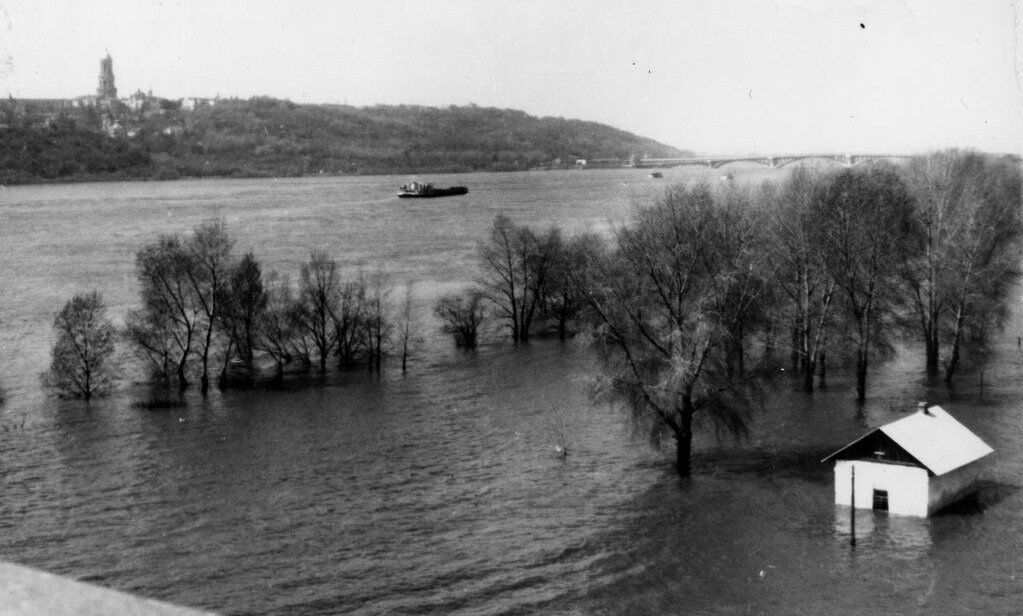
x=264 y=137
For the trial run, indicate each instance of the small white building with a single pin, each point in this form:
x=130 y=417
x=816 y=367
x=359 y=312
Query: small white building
x=914 y=466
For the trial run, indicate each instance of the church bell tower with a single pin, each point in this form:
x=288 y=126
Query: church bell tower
x=106 y=90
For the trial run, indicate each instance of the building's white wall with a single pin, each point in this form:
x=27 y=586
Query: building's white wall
x=954 y=485
x=907 y=486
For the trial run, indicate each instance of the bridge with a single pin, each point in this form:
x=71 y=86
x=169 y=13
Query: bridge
x=715 y=162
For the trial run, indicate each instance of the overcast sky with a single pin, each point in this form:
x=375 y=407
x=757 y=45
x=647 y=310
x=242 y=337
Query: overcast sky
x=714 y=76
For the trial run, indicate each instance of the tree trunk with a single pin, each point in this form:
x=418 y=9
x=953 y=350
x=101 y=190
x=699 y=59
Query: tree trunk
x=248 y=343
x=740 y=350
x=222 y=379
x=822 y=364
x=932 y=348
x=953 y=361
x=861 y=375
x=182 y=378
x=796 y=345
x=808 y=375
x=957 y=337
x=684 y=439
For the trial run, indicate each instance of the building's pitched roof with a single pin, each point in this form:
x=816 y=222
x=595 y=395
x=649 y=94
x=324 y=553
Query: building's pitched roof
x=939 y=442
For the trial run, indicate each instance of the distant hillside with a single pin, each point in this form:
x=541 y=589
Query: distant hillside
x=269 y=137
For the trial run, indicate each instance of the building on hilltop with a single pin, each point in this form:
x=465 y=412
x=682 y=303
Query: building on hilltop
x=100 y=111
x=106 y=91
x=193 y=103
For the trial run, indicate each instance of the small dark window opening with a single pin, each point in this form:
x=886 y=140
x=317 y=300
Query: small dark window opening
x=881 y=500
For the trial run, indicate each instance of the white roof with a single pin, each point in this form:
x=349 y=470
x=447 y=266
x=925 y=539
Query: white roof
x=934 y=438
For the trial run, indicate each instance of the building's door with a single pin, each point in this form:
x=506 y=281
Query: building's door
x=881 y=500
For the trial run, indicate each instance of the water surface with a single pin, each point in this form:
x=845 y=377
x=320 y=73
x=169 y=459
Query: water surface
x=439 y=491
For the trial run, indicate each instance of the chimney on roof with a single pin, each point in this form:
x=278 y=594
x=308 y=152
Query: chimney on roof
x=922 y=407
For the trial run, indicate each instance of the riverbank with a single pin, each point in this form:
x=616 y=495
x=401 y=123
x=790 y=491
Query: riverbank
x=263 y=137
x=30 y=592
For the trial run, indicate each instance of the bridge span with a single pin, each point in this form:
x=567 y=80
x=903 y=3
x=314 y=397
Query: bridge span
x=771 y=161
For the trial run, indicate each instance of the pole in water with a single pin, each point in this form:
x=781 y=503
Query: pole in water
x=852 y=509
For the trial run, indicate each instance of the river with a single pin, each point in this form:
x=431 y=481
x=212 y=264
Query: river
x=439 y=491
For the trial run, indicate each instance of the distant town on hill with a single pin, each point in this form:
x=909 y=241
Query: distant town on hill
x=102 y=136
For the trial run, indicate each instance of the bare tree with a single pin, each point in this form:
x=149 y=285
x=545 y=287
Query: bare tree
x=318 y=299
x=515 y=267
x=80 y=365
x=938 y=183
x=351 y=325
x=559 y=431
x=165 y=328
x=209 y=250
x=985 y=262
x=461 y=315
x=278 y=324
x=866 y=229
x=562 y=299
x=656 y=301
x=741 y=250
x=244 y=301
x=407 y=326
x=802 y=276
x=375 y=319
x=153 y=339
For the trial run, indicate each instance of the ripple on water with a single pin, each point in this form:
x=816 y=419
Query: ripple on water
x=438 y=491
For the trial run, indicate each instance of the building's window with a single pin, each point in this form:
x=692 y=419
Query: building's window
x=881 y=500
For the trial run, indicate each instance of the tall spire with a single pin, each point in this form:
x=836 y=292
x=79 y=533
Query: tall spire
x=106 y=90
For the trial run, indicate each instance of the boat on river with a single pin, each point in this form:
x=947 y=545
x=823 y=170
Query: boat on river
x=415 y=190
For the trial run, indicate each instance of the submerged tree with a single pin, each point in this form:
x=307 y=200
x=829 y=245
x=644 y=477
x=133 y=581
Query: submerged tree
x=461 y=315
x=182 y=287
x=351 y=322
x=516 y=264
x=166 y=327
x=938 y=184
x=801 y=276
x=318 y=298
x=80 y=365
x=209 y=251
x=244 y=301
x=866 y=230
x=985 y=262
x=562 y=300
x=407 y=326
x=665 y=304
x=278 y=323
x=376 y=318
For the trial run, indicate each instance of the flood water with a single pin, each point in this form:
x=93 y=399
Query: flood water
x=439 y=491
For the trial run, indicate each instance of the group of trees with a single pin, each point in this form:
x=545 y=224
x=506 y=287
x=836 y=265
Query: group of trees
x=65 y=151
x=527 y=278
x=692 y=304
x=205 y=313
x=708 y=291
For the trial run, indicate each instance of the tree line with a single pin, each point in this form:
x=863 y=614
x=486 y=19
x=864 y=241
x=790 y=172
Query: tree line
x=692 y=305
x=67 y=152
x=266 y=137
x=206 y=315
x=708 y=291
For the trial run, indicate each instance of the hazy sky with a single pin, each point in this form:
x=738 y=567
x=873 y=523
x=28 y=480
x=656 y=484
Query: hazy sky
x=714 y=76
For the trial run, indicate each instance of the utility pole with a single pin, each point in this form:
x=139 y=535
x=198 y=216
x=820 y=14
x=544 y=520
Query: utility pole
x=852 y=510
